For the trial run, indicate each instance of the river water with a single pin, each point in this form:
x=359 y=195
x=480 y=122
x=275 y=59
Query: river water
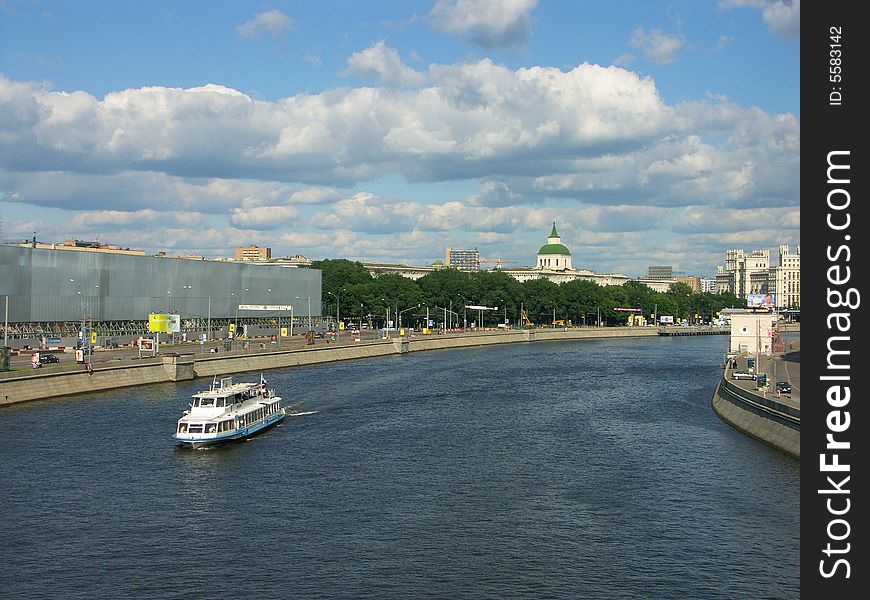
x=583 y=469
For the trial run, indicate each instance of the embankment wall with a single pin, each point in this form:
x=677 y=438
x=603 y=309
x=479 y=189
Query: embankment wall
x=47 y=384
x=765 y=419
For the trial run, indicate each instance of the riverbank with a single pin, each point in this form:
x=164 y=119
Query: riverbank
x=768 y=417
x=25 y=386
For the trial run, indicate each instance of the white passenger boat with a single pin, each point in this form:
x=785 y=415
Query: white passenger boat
x=228 y=411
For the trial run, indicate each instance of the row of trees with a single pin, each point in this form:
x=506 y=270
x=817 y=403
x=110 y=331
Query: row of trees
x=366 y=298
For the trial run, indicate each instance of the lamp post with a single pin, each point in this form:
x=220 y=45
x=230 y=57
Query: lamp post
x=404 y=311
x=387 y=318
x=337 y=311
x=309 y=315
x=86 y=339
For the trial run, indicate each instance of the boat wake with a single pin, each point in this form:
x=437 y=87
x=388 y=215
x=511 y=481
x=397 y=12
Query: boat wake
x=301 y=414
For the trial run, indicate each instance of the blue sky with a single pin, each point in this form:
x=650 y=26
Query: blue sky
x=650 y=132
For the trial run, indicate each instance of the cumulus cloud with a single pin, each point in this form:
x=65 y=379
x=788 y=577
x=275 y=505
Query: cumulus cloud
x=596 y=138
x=782 y=16
x=263 y=217
x=495 y=193
x=603 y=131
x=382 y=63
x=487 y=23
x=368 y=213
x=658 y=47
x=103 y=220
x=273 y=22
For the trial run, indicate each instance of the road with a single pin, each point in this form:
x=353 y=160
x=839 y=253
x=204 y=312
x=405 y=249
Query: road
x=126 y=353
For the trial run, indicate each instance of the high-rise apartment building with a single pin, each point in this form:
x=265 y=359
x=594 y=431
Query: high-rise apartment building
x=786 y=278
x=464 y=260
x=746 y=274
x=660 y=272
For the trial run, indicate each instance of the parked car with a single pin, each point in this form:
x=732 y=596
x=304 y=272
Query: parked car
x=783 y=387
x=743 y=375
x=45 y=359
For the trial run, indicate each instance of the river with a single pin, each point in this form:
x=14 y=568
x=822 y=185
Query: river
x=583 y=469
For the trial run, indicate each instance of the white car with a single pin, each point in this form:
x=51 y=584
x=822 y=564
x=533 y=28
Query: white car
x=743 y=375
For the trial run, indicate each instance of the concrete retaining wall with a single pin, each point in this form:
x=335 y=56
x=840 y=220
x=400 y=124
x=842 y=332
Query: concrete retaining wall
x=50 y=385
x=766 y=420
x=32 y=386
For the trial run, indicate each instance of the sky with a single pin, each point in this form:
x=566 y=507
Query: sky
x=651 y=133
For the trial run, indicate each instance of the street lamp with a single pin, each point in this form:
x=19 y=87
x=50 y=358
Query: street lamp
x=404 y=311
x=309 y=315
x=337 y=310
x=387 y=317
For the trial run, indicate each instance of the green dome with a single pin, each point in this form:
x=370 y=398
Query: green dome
x=554 y=249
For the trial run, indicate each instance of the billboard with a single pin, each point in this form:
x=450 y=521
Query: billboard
x=270 y=307
x=158 y=322
x=761 y=300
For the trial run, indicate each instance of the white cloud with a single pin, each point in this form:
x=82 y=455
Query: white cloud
x=495 y=193
x=367 y=213
x=263 y=217
x=658 y=47
x=274 y=22
x=108 y=220
x=535 y=140
x=782 y=16
x=382 y=63
x=487 y=23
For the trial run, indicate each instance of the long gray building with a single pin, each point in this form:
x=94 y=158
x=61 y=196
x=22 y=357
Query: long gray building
x=47 y=287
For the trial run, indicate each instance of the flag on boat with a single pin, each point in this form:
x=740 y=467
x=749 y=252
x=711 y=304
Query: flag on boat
x=262 y=379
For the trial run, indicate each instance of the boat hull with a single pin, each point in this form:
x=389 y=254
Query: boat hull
x=197 y=441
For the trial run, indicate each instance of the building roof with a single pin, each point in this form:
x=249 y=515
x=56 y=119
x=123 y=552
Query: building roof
x=554 y=249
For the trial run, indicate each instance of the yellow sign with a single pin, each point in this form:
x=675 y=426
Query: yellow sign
x=158 y=322
x=232 y=327
x=341 y=326
x=283 y=332
x=93 y=337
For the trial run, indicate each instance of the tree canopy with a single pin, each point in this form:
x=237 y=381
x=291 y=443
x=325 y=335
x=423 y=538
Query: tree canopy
x=367 y=298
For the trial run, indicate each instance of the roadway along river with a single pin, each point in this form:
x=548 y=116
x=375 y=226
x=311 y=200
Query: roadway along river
x=589 y=469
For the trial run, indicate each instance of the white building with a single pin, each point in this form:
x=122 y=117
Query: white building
x=554 y=256
x=786 y=278
x=744 y=275
x=554 y=263
x=752 y=333
x=708 y=284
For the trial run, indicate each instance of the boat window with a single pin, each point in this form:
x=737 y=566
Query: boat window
x=182 y=428
x=195 y=428
x=210 y=427
x=195 y=401
x=220 y=402
x=206 y=402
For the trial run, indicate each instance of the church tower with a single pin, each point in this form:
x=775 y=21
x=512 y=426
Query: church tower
x=554 y=256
